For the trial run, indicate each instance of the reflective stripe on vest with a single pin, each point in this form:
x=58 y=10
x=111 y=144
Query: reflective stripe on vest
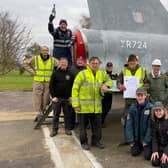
x=140 y=73
x=43 y=70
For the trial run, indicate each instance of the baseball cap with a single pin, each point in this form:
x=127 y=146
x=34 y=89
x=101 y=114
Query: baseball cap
x=141 y=91
x=109 y=64
x=158 y=105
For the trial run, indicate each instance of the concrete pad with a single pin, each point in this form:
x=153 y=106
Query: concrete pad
x=71 y=153
x=23 y=147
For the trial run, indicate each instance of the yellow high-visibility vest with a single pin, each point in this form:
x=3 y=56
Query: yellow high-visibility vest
x=43 y=69
x=140 y=73
x=86 y=90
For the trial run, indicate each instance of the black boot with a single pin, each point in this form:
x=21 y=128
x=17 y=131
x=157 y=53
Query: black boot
x=53 y=132
x=98 y=145
x=68 y=132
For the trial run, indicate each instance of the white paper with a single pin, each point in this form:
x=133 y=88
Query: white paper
x=131 y=83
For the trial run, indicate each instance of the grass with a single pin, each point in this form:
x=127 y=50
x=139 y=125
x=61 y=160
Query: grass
x=14 y=81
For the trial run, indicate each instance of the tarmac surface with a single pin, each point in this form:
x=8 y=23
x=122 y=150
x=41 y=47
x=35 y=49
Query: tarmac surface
x=23 y=147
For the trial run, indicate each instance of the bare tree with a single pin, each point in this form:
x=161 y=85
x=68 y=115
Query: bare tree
x=85 y=22
x=14 y=38
x=33 y=49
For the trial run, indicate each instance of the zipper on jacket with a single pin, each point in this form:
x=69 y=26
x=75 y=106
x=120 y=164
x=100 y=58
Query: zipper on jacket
x=94 y=91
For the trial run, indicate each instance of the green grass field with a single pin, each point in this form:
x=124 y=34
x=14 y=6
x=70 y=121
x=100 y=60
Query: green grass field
x=14 y=81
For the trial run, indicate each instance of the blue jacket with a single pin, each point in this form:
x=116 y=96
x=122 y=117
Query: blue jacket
x=133 y=132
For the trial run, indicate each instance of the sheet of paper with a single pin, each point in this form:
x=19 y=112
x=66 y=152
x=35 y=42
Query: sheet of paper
x=131 y=83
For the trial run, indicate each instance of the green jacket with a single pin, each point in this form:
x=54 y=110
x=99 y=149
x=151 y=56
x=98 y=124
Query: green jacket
x=86 y=90
x=157 y=88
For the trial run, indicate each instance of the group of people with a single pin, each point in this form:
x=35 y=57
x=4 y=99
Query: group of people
x=77 y=89
x=145 y=115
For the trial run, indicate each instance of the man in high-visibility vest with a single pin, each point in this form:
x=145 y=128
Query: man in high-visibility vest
x=41 y=67
x=132 y=68
x=86 y=101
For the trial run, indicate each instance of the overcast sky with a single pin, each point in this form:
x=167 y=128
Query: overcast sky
x=35 y=13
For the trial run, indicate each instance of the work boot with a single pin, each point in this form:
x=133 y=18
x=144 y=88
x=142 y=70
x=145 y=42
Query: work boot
x=68 y=132
x=98 y=145
x=54 y=132
x=85 y=146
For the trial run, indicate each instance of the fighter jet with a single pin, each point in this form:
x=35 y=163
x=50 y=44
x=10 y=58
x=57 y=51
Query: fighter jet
x=124 y=27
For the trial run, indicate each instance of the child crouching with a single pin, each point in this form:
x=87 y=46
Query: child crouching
x=159 y=135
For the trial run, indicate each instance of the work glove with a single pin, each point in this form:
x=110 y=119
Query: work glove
x=122 y=87
x=70 y=44
x=51 y=18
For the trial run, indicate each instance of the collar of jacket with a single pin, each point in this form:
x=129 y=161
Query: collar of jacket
x=62 y=31
x=63 y=70
x=132 y=70
x=89 y=68
x=143 y=105
x=156 y=76
x=44 y=59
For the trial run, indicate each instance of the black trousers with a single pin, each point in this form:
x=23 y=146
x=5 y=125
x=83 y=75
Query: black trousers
x=95 y=122
x=137 y=148
x=72 y=117
x=64 y=104
x=157 y=161
x=106 y=106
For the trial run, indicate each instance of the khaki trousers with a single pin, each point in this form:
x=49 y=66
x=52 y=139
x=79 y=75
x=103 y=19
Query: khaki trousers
x=40 y=96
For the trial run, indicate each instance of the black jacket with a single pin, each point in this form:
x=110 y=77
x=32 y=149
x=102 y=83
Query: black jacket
x=160 y=135
x=76 y=69
x=61 y=83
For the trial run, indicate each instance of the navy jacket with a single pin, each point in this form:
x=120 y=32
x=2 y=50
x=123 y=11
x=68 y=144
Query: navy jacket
x=62 y=42
x=135 y=133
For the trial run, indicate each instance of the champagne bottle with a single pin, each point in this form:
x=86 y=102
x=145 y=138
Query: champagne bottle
x=53 y=12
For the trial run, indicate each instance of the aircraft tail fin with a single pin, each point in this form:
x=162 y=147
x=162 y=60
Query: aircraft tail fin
x=148 y=16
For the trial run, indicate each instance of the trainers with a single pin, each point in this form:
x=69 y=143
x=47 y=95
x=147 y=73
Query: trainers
x=85 y=146
x=98 y=145
x=68 y=132
x=53 y=133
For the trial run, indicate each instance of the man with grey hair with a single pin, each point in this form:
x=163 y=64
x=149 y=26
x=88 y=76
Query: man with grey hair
x=86 y=101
